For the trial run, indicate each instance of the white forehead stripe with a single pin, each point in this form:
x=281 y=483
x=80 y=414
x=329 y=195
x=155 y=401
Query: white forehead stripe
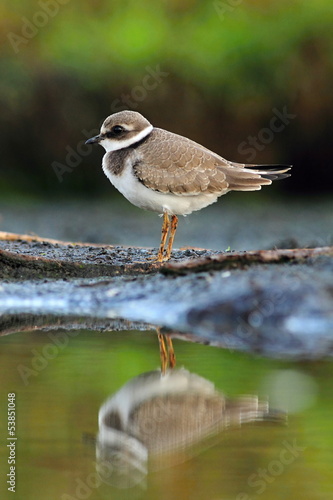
x=114 y=144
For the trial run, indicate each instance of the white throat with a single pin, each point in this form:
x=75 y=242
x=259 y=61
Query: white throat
x=114 y=145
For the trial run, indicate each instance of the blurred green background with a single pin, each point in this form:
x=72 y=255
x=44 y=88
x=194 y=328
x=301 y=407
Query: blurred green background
x=220 y=72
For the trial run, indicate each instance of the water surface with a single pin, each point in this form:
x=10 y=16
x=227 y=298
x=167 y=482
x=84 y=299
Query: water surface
x=61 y=379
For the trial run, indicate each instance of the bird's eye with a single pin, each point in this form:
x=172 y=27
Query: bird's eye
x=117 y=129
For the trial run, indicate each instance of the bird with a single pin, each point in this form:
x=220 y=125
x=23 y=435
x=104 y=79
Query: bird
x=170 y=174
x=157 y=420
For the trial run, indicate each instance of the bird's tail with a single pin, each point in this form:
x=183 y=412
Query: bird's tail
x=250 y=177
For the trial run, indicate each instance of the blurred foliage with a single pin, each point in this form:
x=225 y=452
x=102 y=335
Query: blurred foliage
x=223 y=66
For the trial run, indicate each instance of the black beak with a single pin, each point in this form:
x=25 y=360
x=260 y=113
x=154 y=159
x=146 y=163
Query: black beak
x=93 y=140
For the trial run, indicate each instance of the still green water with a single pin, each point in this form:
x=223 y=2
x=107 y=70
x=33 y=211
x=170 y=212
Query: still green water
x=61 y=381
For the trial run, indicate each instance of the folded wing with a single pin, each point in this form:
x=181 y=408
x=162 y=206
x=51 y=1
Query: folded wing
x=187 y=168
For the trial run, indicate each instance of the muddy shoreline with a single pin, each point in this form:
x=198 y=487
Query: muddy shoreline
x=276 y=303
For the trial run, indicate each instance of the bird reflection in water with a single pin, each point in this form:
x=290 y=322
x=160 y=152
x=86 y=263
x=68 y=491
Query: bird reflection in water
x=165 y=417
x=167 y=353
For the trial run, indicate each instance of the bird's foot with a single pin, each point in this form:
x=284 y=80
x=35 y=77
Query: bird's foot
x=159 y=258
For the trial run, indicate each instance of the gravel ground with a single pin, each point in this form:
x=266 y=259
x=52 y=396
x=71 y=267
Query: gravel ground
x=94 y=255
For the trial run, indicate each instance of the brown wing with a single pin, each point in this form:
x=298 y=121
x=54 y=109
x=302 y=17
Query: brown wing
x=183 y=167
x=186 y=167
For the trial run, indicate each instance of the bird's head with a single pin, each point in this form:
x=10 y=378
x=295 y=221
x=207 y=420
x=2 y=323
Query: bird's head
x=122 y=130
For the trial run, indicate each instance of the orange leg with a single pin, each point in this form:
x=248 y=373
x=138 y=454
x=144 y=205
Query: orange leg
x=163 y=352
x=173 y=229
x=167 y=355
x=165 y=230
x=171 y=352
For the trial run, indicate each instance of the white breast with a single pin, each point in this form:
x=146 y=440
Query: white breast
x=148 y=199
